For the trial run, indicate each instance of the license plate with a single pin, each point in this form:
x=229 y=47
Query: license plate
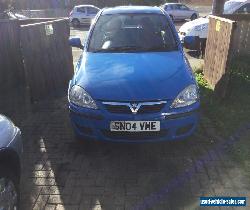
x=135 y=126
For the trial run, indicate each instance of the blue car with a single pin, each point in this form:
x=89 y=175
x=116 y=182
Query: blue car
x=133 y=82
x=10 y=154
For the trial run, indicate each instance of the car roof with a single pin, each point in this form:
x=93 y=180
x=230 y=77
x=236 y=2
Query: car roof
x=237 y=1
x=132 y=9
x=172 y=3
x=85 y=5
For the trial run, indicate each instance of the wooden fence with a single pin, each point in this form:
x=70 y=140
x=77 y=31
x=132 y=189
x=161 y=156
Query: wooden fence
x=37 y=55
x=47 y=56
x=228 y=37
x=46 y=13
x=11 y=68
x=241 y=35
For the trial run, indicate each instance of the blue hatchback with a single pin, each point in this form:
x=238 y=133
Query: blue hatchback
x=133 y=82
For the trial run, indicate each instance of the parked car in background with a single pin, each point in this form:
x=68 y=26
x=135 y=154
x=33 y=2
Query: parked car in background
x=237 y=7
x=172 y=1
x=83 y=14
x=133 y=82
x=180 y=11
x=12 y=15
x=193 y=34
x=10 y=166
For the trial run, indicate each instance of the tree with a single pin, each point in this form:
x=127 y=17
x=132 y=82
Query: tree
x=6 y=4
x=218 y=6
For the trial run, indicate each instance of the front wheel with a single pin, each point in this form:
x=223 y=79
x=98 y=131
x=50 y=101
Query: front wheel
x=194 y=16
x=9 y=189
x=202 y=47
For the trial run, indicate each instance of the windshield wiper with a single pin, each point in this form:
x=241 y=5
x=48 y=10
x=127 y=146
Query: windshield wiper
x=156 y=49
x=119 y=49
x=135 y=49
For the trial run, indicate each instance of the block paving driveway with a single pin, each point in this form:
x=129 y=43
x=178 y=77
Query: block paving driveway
x=60 y=173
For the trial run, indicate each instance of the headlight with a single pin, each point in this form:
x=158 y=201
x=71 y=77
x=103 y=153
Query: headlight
x=80 y=97
x=187 y=97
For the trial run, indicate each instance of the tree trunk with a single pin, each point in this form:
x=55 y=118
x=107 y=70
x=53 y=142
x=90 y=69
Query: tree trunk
x=218 y=7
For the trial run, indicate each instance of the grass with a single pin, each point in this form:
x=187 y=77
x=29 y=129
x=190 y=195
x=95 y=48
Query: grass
x=231 y=112
x=228 y=114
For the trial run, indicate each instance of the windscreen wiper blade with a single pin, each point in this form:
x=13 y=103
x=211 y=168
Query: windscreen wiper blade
x=156 y=49
x=119 y=49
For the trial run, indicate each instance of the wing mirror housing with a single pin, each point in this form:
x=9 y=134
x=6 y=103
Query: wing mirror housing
x=76 y=42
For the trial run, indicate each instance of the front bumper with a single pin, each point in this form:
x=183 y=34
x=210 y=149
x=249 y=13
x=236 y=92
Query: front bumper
x=95 y=124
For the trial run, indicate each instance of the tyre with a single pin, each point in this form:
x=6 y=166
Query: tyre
x=76 y=23
x=202 y=47
x=9 y=188
x=194 y=16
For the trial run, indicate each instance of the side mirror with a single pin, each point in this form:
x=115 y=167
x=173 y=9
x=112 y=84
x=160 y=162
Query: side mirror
x=76 y=42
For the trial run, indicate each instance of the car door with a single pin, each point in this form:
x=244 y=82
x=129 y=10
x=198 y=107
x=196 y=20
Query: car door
x=180 y=11
x=82 y=15
x=168 y=9
x=185 y=12
x=245 y=9
x=175 y=11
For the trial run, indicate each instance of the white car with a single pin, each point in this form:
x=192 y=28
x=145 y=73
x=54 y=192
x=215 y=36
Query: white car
x=180 y=11
x=193 y=34
x=83 y=14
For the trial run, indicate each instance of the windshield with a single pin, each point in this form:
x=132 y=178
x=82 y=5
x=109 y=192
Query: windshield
x=229 y=6
x=132 y=32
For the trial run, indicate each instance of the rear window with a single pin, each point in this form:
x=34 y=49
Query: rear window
x=92 y=10
x=81 y=9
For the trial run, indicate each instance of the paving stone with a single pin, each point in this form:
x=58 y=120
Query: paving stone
x=67 y=207
x=50 y=207
x=55 y=199
x=41 y=202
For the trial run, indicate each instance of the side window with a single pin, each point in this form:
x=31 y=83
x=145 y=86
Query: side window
x=81 y=9
x=183 y=7
x=175 y=7
x=245 y=9
x=92 y=11
x=166 y=7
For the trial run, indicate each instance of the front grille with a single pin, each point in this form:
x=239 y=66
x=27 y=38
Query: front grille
x=134 y=135
x=151 y=108
x=125 y=108
x=119 y=109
